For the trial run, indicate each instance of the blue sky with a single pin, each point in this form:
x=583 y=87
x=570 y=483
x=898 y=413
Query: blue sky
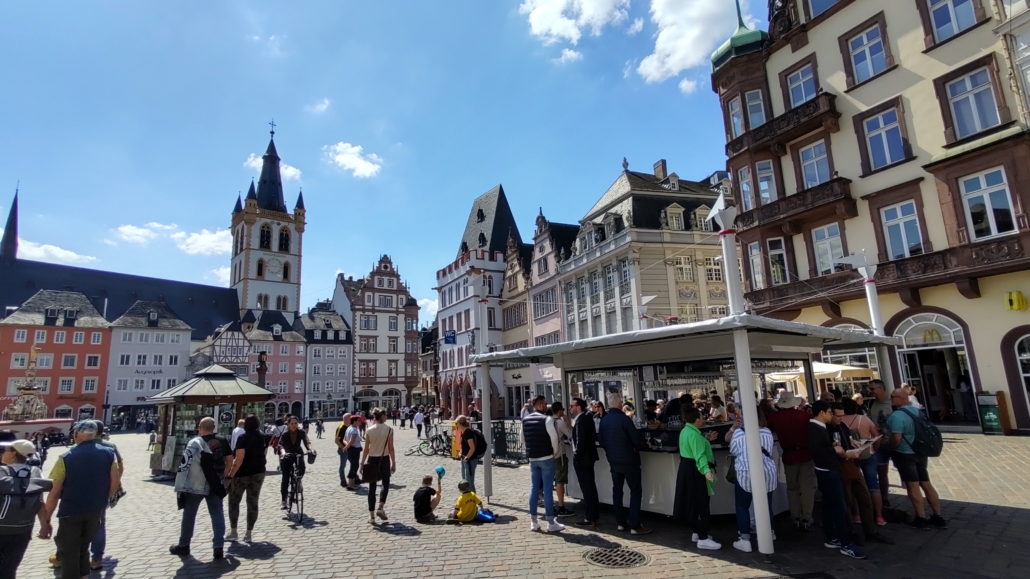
x=130 y=124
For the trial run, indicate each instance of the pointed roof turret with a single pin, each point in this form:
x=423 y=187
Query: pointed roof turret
x=744 y=41
x=9 y=243
x=300 y=201
x=270 y=183
x=239 y=206
x=251 y=193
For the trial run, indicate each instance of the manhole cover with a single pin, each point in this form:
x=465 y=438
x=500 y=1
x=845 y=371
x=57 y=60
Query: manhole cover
x=617 y=558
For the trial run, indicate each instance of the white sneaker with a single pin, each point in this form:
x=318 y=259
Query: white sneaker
x=742 y=545
x=247 y=538
x=709 y=544
x=534 y=526
x=232 y=536
x=381 y=513
x=693 y=538
x=371 y=518
x=555 y=526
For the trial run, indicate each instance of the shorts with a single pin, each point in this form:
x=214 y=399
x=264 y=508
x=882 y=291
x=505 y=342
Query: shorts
x=883 y=455
x=561 y=470
x=911 y=467
x=870 y=473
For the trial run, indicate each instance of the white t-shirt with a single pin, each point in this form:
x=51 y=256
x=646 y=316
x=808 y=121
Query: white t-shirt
x=419 y=417
x=236 y=434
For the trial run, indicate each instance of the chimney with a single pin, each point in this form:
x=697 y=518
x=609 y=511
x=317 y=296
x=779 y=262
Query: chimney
x=660 y=171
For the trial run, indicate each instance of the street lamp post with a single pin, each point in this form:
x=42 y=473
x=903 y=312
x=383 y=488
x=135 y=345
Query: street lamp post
x=868 y=272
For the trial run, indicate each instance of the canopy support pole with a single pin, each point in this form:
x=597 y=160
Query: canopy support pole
x=746 y=383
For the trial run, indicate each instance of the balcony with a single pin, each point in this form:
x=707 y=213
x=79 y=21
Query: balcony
x=961 y=265
x=820 y=112
x=831 y=197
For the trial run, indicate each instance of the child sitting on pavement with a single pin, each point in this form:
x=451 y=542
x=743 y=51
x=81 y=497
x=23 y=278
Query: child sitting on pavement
x=468 y=504
x=427 y=499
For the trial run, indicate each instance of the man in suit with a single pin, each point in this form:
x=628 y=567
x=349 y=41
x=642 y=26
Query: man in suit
x=584 y=455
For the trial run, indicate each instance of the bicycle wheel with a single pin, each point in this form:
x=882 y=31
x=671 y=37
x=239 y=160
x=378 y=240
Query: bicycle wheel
x=300 y=501
x=412 y=451
x=293 y=514
x=426 y=448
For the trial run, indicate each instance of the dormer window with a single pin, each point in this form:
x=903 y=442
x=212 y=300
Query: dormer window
x=327 y=322
x=480 y=216
x=482 y=238
x=52 y=312
x=71 y=314
x=152 y=316
x=464 y=247
x=277 y=330
x=700 y=219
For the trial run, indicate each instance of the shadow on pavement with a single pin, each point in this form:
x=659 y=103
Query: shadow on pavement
x=395 y=528
x=306 y=523
x=589 y=540
x=215 y=568
x=259 y=551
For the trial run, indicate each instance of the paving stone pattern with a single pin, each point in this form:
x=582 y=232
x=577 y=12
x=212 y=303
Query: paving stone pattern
x=983 y=481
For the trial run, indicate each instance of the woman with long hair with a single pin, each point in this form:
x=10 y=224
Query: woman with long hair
x=291 y=451
x=378 y=462
x=246 y=475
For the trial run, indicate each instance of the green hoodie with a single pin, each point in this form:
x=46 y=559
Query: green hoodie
x=695 y=446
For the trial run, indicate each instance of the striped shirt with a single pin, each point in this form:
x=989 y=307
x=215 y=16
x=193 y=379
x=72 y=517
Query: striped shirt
x=738 y=448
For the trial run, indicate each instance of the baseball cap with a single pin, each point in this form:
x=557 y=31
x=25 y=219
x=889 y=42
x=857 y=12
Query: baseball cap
x=22 y=447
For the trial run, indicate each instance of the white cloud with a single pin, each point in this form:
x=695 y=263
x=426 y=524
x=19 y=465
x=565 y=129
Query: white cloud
x=133 y=234
x=627 y=69
x=319 y=107
x=50 y=253
x=688 y=85
x=111 y=242
x=351 y=158
x=156 y=225
x=688 y=32
x=568 y=55
x=205 y=242
x=428 y=308
x=221 y=274
x=564 y=20
x=288 y=172
x=636 y=27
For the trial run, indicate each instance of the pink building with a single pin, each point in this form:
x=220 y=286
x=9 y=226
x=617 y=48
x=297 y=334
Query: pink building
x=268 y=331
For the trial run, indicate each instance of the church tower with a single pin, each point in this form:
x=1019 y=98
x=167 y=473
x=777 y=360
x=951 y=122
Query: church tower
x=267 y=243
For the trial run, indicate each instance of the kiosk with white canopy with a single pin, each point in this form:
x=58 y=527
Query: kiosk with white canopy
x=732 y=342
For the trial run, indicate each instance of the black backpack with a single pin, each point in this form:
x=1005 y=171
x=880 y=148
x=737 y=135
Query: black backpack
x=480 y=444
x=21 y=497
x=927 y=440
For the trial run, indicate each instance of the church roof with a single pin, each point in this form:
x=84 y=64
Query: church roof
x=239 y=206
x=300 y=201
x=9 y=242
x=490 y=223
x=270 y=184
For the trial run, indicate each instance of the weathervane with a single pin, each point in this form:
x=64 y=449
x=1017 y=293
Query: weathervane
x=272 y=124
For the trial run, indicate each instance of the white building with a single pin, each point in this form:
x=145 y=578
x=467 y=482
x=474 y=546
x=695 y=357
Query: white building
x=330 y=351
x=150 y=349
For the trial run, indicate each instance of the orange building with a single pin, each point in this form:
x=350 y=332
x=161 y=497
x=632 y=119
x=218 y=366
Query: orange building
x=71 y=341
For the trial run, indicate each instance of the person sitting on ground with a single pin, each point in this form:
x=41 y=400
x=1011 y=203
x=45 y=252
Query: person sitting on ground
x=467 y=507
x=427 y=499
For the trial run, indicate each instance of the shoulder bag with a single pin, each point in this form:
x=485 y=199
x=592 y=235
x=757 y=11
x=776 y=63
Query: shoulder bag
x=370 y=471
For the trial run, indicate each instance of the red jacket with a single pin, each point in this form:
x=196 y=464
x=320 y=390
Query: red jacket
x=790 y=425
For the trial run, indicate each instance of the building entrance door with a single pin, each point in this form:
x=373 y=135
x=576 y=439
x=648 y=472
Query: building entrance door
x=932 y=361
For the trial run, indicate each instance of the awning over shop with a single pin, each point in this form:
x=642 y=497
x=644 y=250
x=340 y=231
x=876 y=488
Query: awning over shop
x=824 y=371
x=769 y=339
x=214 y=384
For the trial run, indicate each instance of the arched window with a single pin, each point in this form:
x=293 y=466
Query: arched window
x=239 y=240
x=261 y=268
x=266 y=236
x=262 y=301
x=286 y=272
x=284 y=239
x=282 y=303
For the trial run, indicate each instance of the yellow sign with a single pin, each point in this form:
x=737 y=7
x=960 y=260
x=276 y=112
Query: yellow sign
x=932 y=336
x=1015 y=301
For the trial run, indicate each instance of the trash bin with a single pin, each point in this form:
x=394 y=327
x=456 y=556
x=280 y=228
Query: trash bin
x=990 y=415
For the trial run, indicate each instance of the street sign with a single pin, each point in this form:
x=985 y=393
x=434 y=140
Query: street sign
x=450 y=337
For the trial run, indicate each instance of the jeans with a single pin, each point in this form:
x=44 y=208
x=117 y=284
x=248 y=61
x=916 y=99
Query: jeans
x=588 y=486
x=835 y=508
x=343 y=465
x=99 y=543
x=384 y=472
x=189 y=519
x=12 y=549
x=629 y=474
x=73 y=537
x=354 y=456
x=419 y=428
x=252 y=486
x=869 y=472
x=800 y=490
x=288 y=464
x=468 y=472
x=742 y=502
x=541 y=473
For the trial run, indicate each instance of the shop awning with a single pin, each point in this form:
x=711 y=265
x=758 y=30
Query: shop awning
x=824 y=371
x=213 y=384
x=769 y=339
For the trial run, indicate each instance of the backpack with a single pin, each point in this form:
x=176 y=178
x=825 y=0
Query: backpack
x=927 y=440
x=480 y=444
x=21 y=497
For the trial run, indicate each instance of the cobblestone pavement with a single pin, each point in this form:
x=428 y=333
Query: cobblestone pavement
x=984 y=483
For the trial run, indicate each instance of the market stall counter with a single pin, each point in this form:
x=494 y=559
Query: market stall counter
x=215 y=391
x=658 y=468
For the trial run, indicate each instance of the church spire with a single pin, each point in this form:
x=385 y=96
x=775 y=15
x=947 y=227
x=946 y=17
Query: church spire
x=270 y=184
x=239 y=205
x=300 y=201
x=251 y=194
x=9 y=243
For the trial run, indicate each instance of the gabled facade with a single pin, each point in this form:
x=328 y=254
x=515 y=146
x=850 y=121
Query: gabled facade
x=385 y=339
x=329 y=371
x=897 y=130
x=150 y=348
x=480 y=263
x=267 y=244
x=285 y=370
x=515 y=322
x=68 y=341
